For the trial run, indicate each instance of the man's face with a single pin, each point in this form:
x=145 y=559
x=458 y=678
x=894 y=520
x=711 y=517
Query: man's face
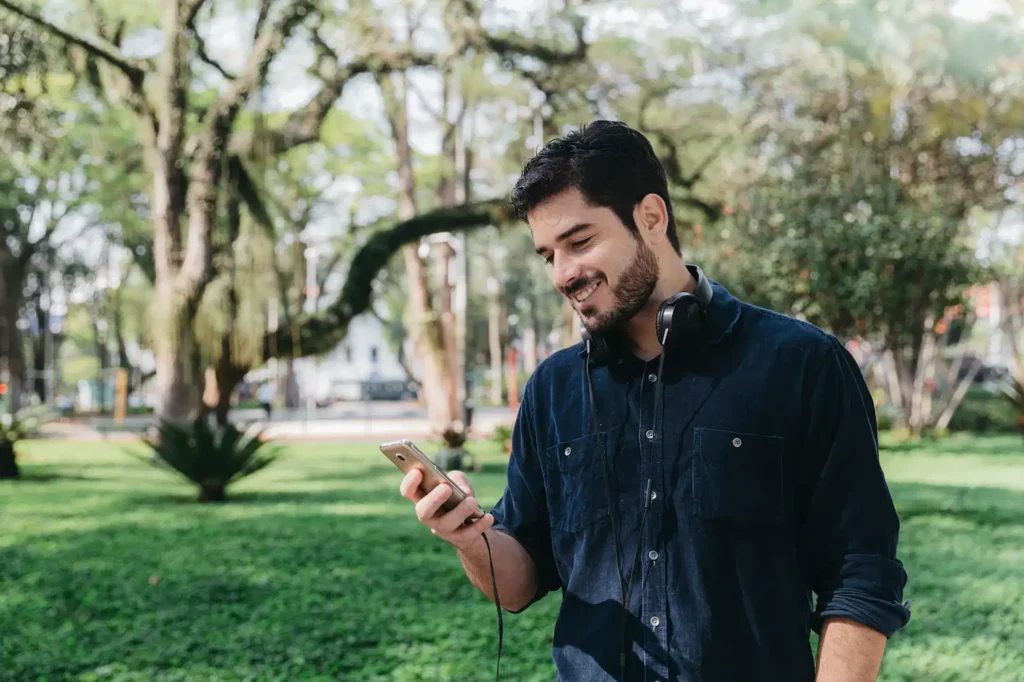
x=605 y=271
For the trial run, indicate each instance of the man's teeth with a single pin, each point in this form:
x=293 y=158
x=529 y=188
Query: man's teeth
x=586 y=293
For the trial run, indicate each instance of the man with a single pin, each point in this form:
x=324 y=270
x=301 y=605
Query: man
x=750 y=483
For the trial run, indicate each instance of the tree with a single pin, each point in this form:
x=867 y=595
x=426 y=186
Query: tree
x=186 y=162
x=1006 y=255
x=43 y=183
x=857 y=215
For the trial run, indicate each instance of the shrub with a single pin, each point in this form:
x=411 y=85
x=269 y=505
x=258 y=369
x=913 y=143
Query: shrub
x=209 y=456
x=984 y=412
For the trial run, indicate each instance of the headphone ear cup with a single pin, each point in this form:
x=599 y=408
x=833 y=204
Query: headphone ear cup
x=682 y=317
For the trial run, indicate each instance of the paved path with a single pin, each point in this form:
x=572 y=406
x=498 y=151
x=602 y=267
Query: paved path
x=377 y=421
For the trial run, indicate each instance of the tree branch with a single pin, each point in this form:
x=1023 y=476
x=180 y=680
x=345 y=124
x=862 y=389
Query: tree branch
x=261 y=18
x=320 y=333
x=205 y=56
x=207 y=167
x=510 y=44
x=303 y=125
x=192 y=8
x=134 y=69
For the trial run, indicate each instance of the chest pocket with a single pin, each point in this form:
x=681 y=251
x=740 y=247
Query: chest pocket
x=738 y=477
x=576 y=483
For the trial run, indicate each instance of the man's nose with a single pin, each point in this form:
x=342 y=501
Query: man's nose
x=565 y=272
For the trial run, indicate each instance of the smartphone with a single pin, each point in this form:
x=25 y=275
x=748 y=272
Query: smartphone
x=406 y=456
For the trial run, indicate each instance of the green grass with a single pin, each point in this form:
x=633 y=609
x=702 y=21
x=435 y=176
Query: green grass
x=319 y=571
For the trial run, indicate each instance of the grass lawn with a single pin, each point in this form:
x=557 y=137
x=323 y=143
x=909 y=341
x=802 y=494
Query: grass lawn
x=108 y=571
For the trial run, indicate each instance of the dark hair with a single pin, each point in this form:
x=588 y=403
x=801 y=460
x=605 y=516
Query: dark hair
x=611 y=164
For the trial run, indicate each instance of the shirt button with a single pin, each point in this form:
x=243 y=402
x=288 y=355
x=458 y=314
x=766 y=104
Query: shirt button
x=736 y=442
x=653 y=555
x=652 y=377
x=568 y=451
x=650 y=435
x=654 y=494
x=655 y=621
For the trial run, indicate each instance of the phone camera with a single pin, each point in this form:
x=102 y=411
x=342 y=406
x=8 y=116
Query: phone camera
x=401 y=458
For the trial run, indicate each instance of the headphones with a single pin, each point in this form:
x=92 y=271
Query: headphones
x=680 y=322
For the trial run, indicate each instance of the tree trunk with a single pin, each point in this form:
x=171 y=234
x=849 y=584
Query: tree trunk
x=446 y=265
x=178 y=379
x=958 y=396
x=12 y=349
x=291 y=386
x=530 y=350
x=924 y=378
x=103 y=360
x=39 y=353
x=494 y=340
x=213 y=491
x=227 y=377
x=426 y=327
x=895 y=390
x=8 y=463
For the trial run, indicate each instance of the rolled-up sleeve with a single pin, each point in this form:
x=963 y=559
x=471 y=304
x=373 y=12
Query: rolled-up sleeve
x=849 y=528
x=522 y=510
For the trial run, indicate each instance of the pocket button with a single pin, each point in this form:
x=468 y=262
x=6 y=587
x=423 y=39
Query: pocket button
x=568 y=451
x=736 y=442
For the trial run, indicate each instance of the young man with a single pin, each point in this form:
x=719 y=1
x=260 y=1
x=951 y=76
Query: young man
x=719 y=480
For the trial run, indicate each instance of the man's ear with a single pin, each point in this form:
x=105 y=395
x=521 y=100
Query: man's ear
x=651 y=216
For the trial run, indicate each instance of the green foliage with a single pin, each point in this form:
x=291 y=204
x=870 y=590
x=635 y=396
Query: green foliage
x=110 y=574
x=1013 y=391
x=210 y=456
x=22 y=425
x=985 y=412
x=849 y=249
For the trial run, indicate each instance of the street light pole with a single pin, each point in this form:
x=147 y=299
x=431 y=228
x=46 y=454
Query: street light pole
x=312 y=299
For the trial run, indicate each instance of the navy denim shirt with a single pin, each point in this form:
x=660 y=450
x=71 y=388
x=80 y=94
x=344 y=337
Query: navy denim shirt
x=766 y=488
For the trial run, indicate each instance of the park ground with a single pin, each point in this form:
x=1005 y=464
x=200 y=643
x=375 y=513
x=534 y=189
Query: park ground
x=317 y=570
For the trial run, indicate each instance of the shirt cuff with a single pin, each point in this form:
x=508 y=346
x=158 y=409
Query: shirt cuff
x=868 y=590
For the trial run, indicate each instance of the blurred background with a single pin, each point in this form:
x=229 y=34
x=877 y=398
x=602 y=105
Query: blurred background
x=243 y=233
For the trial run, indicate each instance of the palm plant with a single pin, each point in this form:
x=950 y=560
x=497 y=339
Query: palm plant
x=13 y=428
x=210 y=456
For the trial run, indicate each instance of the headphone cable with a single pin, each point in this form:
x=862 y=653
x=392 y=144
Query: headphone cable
x=497 y=604
x=625 y=589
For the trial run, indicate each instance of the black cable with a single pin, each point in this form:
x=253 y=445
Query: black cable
x=608 y=471
x=625 y=590
x=497 y=604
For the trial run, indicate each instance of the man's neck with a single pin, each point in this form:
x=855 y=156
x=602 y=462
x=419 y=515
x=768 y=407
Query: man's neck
x=642 y=328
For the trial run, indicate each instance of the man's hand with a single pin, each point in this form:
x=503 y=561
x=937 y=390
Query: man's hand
x=449 y=526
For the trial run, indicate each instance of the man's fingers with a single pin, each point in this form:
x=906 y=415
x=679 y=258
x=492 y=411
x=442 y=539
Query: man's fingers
x=427 y=507
x=410 y=487
x=461 y=480
x=456 y=518
x=467 y=533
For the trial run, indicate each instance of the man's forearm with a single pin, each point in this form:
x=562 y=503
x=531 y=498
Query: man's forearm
x=514 y=570
x=849 y=652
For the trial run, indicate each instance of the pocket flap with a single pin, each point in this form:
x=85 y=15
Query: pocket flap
x=738 y=476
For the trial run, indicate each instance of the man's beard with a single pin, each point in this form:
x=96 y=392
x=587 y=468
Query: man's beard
x=630 y=295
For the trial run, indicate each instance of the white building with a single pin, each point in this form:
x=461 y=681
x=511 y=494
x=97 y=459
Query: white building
x=364 y=355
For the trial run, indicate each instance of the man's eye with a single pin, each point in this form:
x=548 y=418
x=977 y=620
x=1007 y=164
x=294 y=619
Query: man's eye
x=581 y=243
